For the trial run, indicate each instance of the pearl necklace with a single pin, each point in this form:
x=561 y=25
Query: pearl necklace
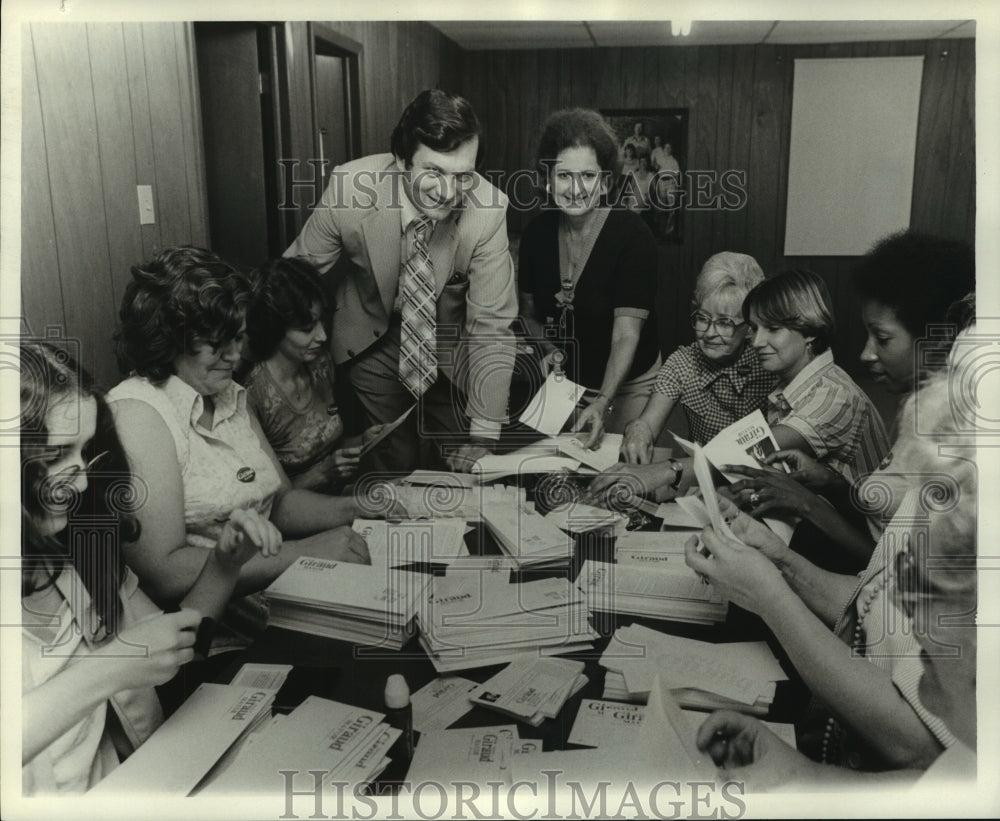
x=833 y=729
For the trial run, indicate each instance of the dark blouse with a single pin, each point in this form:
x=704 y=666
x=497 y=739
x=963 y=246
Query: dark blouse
x=620 y=277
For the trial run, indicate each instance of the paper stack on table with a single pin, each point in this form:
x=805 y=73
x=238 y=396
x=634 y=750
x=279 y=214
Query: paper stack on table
x=393 y=544
x=527 y=537
x=480 y=755
x=663 y=549
x=577 y=517
x=347 y=743
x=703 y=676
x=351 y=602
x=175 y=758
x=531 y=689
x=674 y=593
x=476 y=618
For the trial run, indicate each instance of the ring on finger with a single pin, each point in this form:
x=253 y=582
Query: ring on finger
x=755 y=498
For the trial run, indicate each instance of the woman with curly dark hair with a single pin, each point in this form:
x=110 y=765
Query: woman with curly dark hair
x=79 y=600
x=191 y=438
x=587 y=275
x=290 y=387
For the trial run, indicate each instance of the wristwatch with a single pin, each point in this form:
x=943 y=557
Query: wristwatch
x=678 y=470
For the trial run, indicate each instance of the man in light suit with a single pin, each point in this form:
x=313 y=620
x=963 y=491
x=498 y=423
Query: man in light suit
x=421 y=217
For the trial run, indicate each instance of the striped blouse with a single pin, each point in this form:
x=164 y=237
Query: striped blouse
x=837 y=419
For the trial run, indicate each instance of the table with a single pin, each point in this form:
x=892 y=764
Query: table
x=356 y=674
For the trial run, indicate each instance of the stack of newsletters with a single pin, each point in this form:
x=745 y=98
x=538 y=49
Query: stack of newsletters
x=476 y=617
x=661 y=590
x=349 y=744
x=363 y=604
x=527 y=537
x=530 y=688
x=701 y=676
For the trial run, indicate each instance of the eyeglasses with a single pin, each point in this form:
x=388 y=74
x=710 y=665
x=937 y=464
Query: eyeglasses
x=724 y=326
x=69 y=474
x=912 y=588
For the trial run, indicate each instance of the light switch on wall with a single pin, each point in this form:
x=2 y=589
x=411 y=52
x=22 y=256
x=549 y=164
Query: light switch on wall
x=147 y=216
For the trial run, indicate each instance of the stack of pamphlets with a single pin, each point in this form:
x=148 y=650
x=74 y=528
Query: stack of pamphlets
x=363 y=604
x=656 y=590
x=189 y=744
x=348 y=744
x=527 y=537
x=653 y=549
x=702 y=676
x=476 y=618
x=530 y=688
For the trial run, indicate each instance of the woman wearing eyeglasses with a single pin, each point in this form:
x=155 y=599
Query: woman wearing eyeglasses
x=717 y=379
x=93 y=644
x=587 y=275
x=197 y=447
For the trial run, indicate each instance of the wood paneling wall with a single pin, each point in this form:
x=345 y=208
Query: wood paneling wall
x=739 y=101
x=106 y=107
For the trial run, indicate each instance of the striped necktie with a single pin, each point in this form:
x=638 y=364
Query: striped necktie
x=417 y=352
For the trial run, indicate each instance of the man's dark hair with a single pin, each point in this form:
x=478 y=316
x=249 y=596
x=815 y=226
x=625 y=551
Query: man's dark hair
x=437 y=119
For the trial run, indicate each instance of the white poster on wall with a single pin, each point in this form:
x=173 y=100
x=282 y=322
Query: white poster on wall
x=852 y=153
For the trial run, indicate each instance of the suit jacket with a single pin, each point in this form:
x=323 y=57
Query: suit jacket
x=359 y=217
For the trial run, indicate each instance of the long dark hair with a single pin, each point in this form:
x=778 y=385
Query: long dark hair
x=100 y=518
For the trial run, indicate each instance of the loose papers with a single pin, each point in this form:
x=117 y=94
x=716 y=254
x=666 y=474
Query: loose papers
x=441 y=702
x=347 y=743
x=746 y=442
x=185 y=748
x=701 y=675
x=531 y=689
x=549 y=409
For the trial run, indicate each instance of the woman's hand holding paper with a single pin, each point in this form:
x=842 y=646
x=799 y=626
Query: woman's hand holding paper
x=738 y=572
x=766 y=492
x=745 y=750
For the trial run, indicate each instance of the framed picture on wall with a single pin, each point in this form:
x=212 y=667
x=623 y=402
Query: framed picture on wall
x=654 y=145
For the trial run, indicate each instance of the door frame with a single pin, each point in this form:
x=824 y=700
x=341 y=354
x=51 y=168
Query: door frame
x=324 y=40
